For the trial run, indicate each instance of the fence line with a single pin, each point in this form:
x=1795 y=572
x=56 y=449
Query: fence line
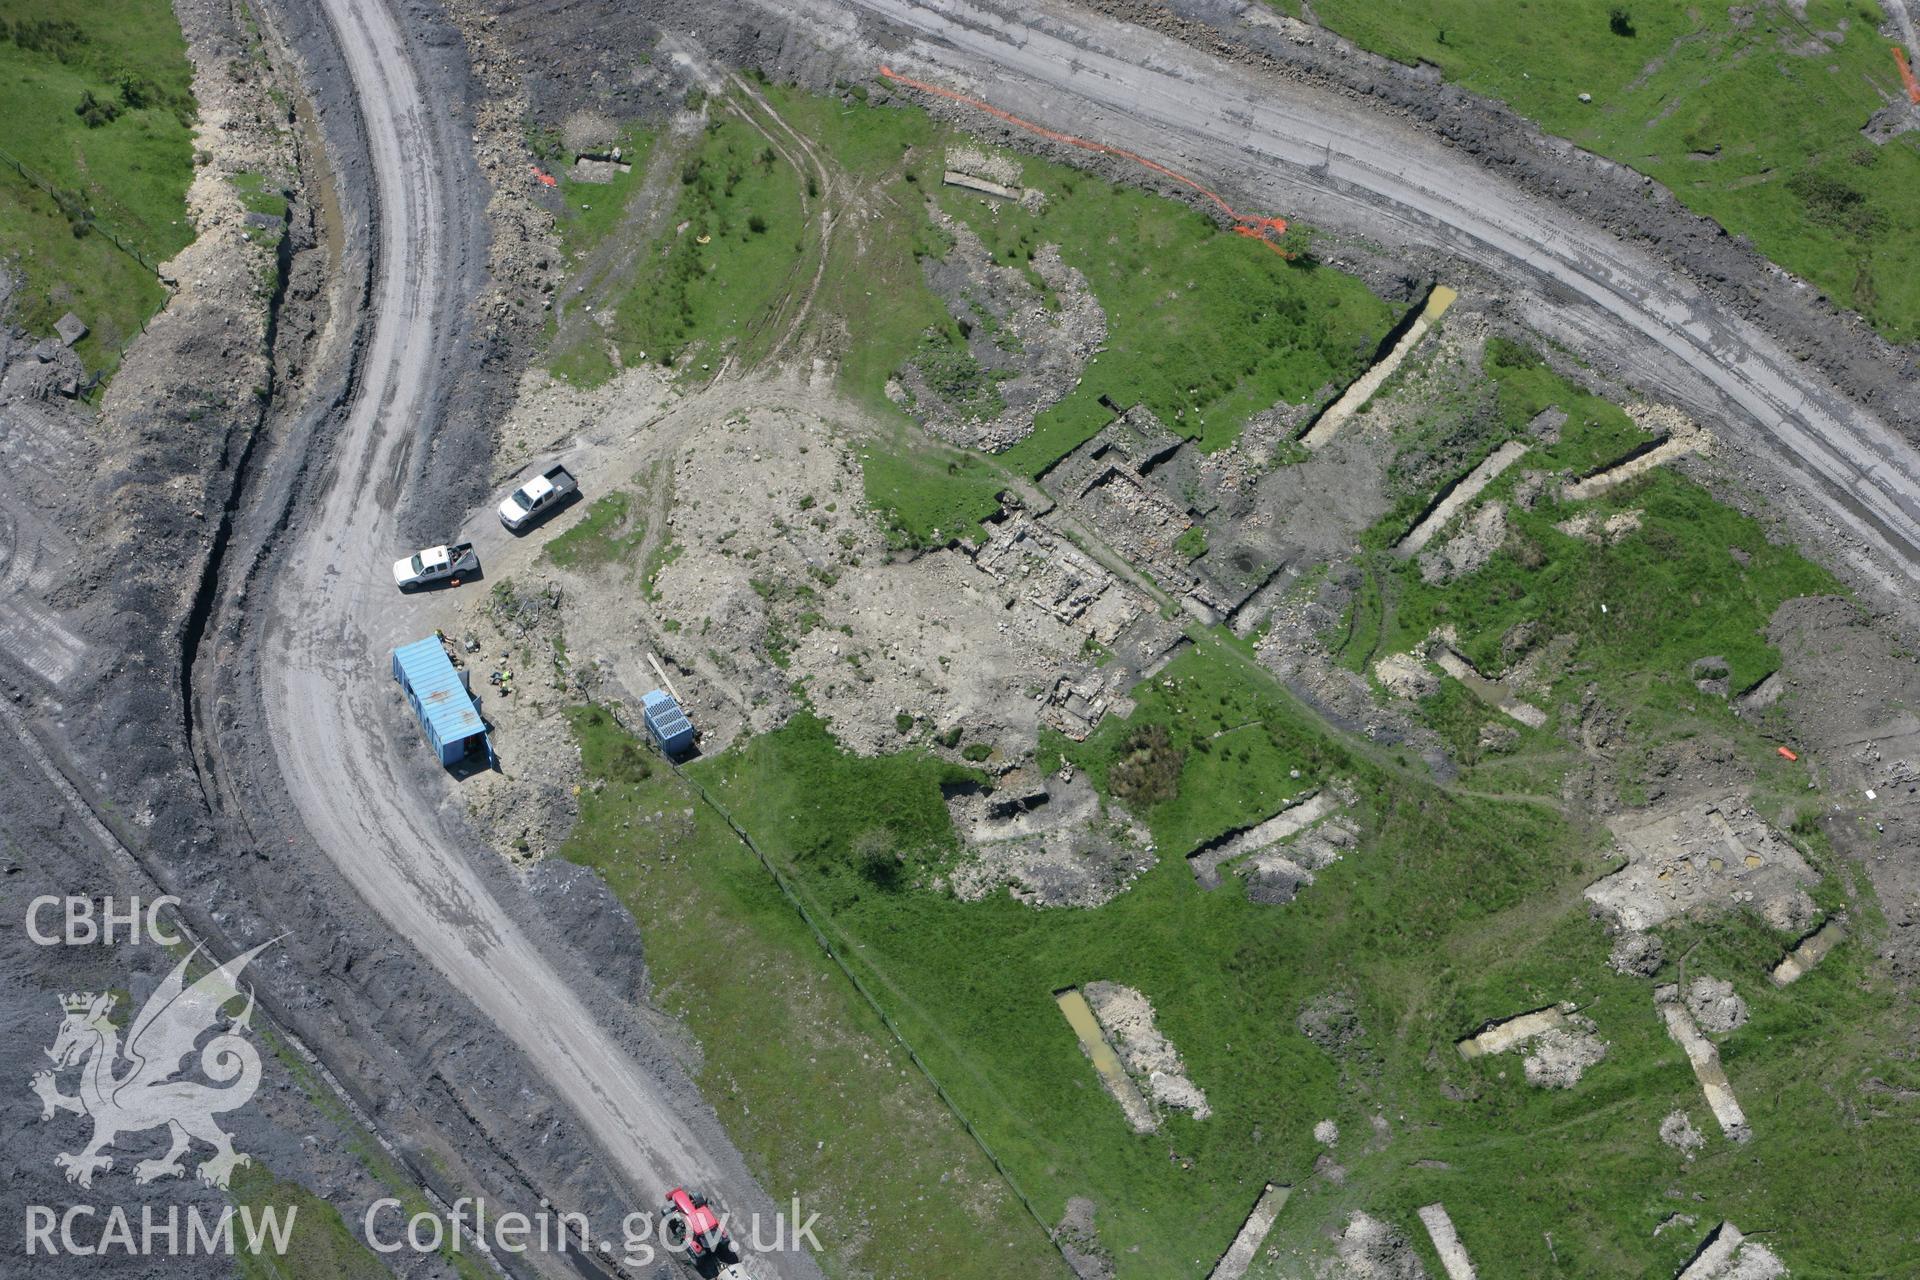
x=886 y=1019
x=93 y=223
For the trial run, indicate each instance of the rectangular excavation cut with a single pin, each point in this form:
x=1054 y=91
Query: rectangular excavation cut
x=1446 y=1242
x=1502 y=1036
x=1811 y=951
x=1253 y=1233
x=1491 y=692
x=1306 y=809
x=1726 y=1254
x=1704 y=853
x=1093 y=1042
x=1369 y=382
x=1154 y=1064
x=1276 y=874
x=954 y=178
x=1002 y=170
x=1466 y=491
x=1686 y=438
x=1705 y=1060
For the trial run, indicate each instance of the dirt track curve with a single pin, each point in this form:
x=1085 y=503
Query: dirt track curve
x=1297 y=150
x=333 y=616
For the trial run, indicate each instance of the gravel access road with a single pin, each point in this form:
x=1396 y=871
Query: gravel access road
x=1290 y=147
x=349 y=757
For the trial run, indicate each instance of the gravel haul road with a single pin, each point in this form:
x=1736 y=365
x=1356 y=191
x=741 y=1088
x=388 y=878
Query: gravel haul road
x=393 y=829
x=1337 y=163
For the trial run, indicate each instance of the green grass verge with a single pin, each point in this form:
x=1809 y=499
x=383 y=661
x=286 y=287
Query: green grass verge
x=1453 y=911
x=257 y=196
x=585 y=363
x=1750 y=115
x=610 y=532
x=805 y=1078
x=97 y=99
x=321 y=1245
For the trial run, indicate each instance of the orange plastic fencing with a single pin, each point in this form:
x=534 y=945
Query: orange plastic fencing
x=1266 y=230
x=1906 y=75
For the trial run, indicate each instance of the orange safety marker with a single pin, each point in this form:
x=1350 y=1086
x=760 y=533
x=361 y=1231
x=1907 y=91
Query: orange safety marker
x=1254 y=228
x=1906 y=75
x=545 y=178
x=1785 y=754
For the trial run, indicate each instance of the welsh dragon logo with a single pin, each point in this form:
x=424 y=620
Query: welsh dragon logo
x=130 y=1088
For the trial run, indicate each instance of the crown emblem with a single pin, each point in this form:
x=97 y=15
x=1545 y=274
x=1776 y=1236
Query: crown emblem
x=77 y=1002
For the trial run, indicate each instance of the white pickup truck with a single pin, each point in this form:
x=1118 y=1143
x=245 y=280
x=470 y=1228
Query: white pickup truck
x=436 y=564
x=537 y=497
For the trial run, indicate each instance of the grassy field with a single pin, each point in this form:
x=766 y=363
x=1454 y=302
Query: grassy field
x=97 y=102
x=710 y=289
x=611 y=531
x=928 y=496
x=594 y=209
x=1453 y=911
x=1204 y=326
x=1698 y=579
x=1754 y=122
x=808 y=1082
x=1237 y=754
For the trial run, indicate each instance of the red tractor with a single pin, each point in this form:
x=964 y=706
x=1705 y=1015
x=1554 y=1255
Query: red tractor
x=688 y=1215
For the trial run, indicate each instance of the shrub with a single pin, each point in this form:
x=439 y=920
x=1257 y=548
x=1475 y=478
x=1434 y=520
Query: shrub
x=137 y=93
x=1148 y=770
x=1833 y=202
x=95 y=112
x=874 y=858
x=628 y=763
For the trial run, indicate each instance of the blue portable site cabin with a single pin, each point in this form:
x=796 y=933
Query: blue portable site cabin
x=441 y=700
x=666 y=722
